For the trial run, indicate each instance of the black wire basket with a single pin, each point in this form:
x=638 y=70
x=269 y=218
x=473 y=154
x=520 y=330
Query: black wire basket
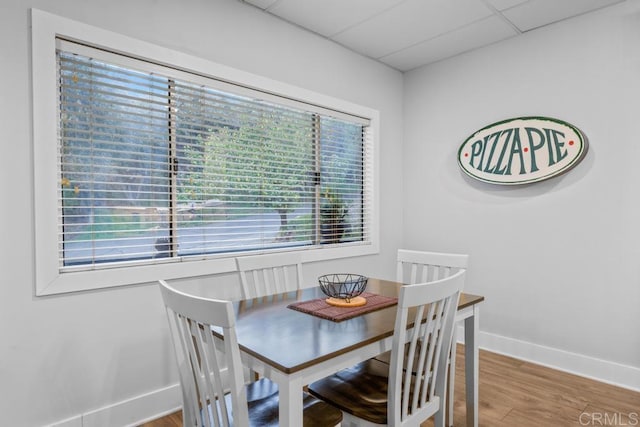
x=342 y=286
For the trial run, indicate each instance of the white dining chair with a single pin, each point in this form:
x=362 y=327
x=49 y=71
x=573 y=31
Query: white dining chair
x=411 y=388
x=270 y=274
x=203 y=364
x=422 y=266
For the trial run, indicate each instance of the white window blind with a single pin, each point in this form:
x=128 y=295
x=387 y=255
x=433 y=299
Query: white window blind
x=156 y=164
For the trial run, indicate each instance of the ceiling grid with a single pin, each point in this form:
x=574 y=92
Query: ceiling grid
x=406 y=34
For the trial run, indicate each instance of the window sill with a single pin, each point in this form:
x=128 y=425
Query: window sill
x=77 y=281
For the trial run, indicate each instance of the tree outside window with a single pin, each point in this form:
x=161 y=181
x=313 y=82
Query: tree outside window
x=153 y=166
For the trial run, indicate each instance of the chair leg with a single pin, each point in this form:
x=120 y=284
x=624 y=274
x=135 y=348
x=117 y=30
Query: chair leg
x=452 y=374
x=438 y=419
x=349 y=420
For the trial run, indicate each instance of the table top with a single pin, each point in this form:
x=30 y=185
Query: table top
x=290 y=340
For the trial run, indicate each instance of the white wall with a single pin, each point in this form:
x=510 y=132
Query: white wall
x=558 y=261
x=87 y=353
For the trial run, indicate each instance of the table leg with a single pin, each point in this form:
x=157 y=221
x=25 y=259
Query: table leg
x=452 y=374
x=290 y=406
x=471 y=365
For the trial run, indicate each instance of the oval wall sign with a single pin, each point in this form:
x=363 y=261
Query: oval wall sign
x=522 y=150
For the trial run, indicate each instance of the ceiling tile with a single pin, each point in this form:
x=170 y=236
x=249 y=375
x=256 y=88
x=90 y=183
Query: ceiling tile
x=505 y=4
x=481 y=33
x=329 y=17
x=410 y=22
x=536 y=13
x=406 y=34
x=262 y=4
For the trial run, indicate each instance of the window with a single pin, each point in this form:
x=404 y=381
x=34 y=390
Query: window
x=154 y=166
x=159 y=166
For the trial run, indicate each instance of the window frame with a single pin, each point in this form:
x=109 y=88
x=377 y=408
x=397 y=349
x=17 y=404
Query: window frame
x=45 y=28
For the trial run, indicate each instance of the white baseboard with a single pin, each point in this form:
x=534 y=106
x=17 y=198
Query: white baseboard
x=597 y=369
x=136 y=410
x=69 y=422
x=130 y=412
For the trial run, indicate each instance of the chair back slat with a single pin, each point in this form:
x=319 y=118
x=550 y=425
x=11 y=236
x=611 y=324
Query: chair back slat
x=421 y=343
x=201 y=366
x=262 y=275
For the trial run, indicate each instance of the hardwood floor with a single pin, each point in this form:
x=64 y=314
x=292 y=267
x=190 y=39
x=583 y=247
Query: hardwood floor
x=514 y=393
x=171 y=420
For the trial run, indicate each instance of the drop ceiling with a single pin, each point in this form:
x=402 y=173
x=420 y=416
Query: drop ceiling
x=407 y=34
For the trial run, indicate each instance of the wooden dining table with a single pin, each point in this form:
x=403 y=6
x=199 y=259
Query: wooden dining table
x=294 y=348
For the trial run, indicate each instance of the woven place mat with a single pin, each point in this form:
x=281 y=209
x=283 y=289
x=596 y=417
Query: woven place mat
x=319 y=307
